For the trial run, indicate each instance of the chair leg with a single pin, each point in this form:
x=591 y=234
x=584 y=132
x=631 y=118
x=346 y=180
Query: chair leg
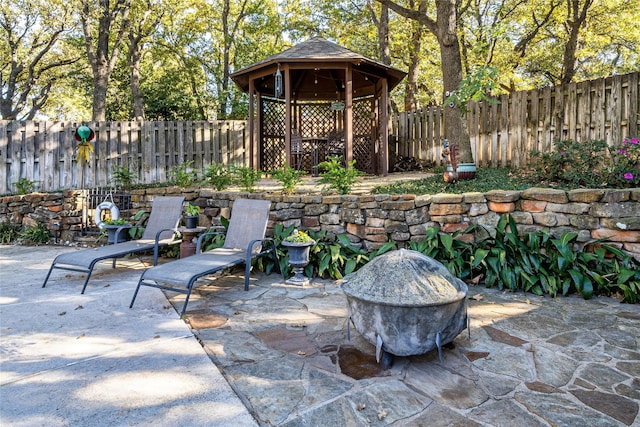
x=186 y=299
x=48 y=274
x=247 y=272
x=135 y=294
x=86 y=281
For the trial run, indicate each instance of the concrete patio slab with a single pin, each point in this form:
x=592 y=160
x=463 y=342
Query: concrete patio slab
x=71 y=359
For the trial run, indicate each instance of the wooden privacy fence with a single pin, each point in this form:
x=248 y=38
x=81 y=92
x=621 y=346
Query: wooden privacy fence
x=503 y=134
x=45 y=151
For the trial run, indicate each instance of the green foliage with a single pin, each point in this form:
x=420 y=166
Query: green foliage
x=122 y=176
x=337 y=177
x=332 y=257
x=192 y=210
x=8 y=232
x=25 y=186
x=486 y=179
x=35 y=235
x=625 y=165
x=453 y=252
x=139 y=220
x=288 y=177
x=476 y=86
x=298 y=236
x=219 y=176
x=577 y=164
x=119 y=221
x=182 y=175
x=246 y=178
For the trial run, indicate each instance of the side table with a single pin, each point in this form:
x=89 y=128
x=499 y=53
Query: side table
x=188 y=246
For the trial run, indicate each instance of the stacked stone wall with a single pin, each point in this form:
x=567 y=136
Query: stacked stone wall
x=372 y=220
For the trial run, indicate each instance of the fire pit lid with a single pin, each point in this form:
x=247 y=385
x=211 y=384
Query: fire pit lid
x=405 y=278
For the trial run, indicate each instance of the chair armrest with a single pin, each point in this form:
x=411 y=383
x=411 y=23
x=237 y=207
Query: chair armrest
x=175 y=232
x=156 y=244
x=203 y=235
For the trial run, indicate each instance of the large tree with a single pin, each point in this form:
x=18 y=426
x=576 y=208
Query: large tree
x=30 y=35
x=444 y=27
x=105 y=24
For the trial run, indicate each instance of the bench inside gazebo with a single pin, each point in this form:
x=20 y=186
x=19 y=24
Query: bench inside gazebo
x=315 y=100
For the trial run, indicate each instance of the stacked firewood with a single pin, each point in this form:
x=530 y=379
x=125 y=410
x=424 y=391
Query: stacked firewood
x=406 y=164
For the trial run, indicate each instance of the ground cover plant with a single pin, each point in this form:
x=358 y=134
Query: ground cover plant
x=533 y=262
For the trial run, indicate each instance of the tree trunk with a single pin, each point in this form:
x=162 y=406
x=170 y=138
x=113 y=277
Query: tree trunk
x=135 y=57
x=444 y=28
x=410 y=99
x=455 y=127
x=576 y=18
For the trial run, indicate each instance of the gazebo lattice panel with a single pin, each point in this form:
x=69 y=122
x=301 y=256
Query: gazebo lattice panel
x=363 y=147
x=272 y=149
x=314 y=120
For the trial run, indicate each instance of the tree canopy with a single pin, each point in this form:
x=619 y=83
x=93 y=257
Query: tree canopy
x=171 y=59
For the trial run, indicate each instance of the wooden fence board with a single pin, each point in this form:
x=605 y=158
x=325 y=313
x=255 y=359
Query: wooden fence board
x=530 y=120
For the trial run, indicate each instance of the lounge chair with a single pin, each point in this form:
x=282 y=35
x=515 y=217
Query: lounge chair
x=160 y=230
x=243 y=242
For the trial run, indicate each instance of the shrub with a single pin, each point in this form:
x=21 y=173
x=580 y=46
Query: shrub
x=35 y=235
x=288 y=177
x=246 y=177
x=219 y=176
x=122 y=176
x=578 y=164
x=25 y=186
x=625 y=166
x=182 y=176
x=8 y=232
x=337 y=177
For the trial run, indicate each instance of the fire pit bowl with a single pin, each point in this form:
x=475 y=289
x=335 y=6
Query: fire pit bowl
x=406 y=303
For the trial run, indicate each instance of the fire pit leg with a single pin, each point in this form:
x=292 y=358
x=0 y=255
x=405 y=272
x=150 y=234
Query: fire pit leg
x=439 y=345
x=387 y=360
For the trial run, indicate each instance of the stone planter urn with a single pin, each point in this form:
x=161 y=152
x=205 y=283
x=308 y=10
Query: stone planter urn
x=298 y=246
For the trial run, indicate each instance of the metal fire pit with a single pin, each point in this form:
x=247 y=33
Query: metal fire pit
x=406 y=303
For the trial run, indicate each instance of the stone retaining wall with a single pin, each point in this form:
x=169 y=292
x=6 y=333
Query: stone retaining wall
x=370 y=220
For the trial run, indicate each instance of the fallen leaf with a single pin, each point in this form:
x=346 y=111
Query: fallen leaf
x=301 y=353
x=361 y=407
x=62 y=314
x=477 y=297
x=79 y=307
x=382 y=415
x=80 y=336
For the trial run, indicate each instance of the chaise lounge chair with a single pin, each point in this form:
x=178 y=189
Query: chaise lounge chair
x=243 y=242
x=160 y=231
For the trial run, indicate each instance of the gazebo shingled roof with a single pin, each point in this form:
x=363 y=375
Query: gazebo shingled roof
x=319 y=70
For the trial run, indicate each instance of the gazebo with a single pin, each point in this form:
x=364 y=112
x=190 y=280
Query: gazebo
x=313 y=94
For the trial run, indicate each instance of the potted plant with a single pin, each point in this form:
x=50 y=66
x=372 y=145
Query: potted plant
x=117 y=230
x=298 y=244
x=191 y=216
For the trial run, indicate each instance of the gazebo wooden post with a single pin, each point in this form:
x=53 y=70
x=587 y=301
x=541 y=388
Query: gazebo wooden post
x=384 y=127
x=252 y=127
x=287 y=116
x=348 y=116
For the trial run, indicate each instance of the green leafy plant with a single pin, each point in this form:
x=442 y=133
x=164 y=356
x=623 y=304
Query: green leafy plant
x=119 y=221
x=8 y=232
x=182 y=175
x=476 y=86
x=453 y=252
x=35 y=235
x=219 y=176
x=577 y=164
x=25 y=186
x=298 y=236
x=246 y=177
x=288 y=177
x=625 y=164
x=337 y=177
x=192 y=210
x=122 y=176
